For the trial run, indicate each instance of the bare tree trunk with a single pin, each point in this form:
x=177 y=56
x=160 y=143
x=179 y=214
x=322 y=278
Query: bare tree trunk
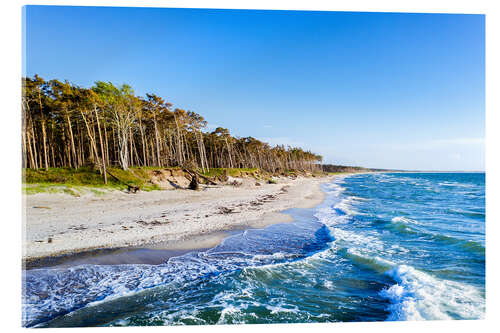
x=24 y=138
x=53 y=156
x=137 y=159
x=157 y=142
x=44 y=139
x=34 y=155
x=30 y=150
x=66 y=154
x=102 y=147
x=171 y=146
x=93 y=146
x=106 y=144
x=143 y=143
x=229 y=153
x=123 y=147
x=72 y=140
x=44 y=133
x=25 y=151
x=179 y=149
x=114 y=144
x=131 y=152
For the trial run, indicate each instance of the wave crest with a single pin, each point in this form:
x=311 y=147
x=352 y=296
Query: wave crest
x=419 y=296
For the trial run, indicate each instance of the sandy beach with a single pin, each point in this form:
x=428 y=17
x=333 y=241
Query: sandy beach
x=58 y=224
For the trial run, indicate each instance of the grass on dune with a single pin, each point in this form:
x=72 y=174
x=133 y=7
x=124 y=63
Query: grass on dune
x=233 y=172
x=72 y=181
x=73 y=190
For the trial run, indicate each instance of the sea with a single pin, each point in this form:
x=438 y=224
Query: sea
x=381 y=247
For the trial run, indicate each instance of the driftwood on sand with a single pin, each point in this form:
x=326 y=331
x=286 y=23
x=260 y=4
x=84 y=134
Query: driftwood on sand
x=194 y=173
x=193 y=185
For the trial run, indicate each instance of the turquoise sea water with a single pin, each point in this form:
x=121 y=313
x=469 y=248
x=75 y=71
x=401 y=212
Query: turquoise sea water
x=407 y=246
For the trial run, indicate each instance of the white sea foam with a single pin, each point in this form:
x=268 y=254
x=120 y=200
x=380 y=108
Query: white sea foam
x=358 y=241
x=330 y=218
x=333 y=188
x=228 y=311
x=327 y=216
x=354 y=198
x=91 y=285
x=455 y=184
x=328 y=284
x=344 y=206
x=404 y=220
x=419 y=296
x=277 y=255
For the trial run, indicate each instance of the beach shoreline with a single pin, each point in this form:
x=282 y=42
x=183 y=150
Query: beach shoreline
x=61 y=225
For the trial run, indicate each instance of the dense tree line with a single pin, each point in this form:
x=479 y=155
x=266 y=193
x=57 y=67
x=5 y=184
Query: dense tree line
x=346 y=168
x=65 y=125
x=342 y=168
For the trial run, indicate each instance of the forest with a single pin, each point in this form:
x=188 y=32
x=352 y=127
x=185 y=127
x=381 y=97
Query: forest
x=331 y=168
x=65 y=125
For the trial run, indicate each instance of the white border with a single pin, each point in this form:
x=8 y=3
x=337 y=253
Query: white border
x=10 y=166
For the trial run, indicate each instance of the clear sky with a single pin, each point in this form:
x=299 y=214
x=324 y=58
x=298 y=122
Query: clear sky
x=386 y=90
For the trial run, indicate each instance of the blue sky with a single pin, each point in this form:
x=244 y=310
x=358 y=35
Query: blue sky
x=386 y=90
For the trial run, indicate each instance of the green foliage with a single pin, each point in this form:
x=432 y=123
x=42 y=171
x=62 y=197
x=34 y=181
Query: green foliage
x=80 y=176
x=214 y=172
x=233 y=172
x=69 y=178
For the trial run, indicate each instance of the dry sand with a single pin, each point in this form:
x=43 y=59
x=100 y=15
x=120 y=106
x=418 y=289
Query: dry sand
x=57 y=224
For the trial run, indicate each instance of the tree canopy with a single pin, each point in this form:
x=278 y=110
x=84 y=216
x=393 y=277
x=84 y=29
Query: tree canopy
x=65 y=125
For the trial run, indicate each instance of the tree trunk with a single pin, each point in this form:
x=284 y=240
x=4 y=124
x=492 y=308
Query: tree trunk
x=102 y=147
x=157 y=142
x=123 y=147
x=179 y=153
x=106 y=144
x=44 y=139
x=92 y=141
x=143 y=143
x=44 y=133
x=131 y=152
x=229 y=153
x=72 y=141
